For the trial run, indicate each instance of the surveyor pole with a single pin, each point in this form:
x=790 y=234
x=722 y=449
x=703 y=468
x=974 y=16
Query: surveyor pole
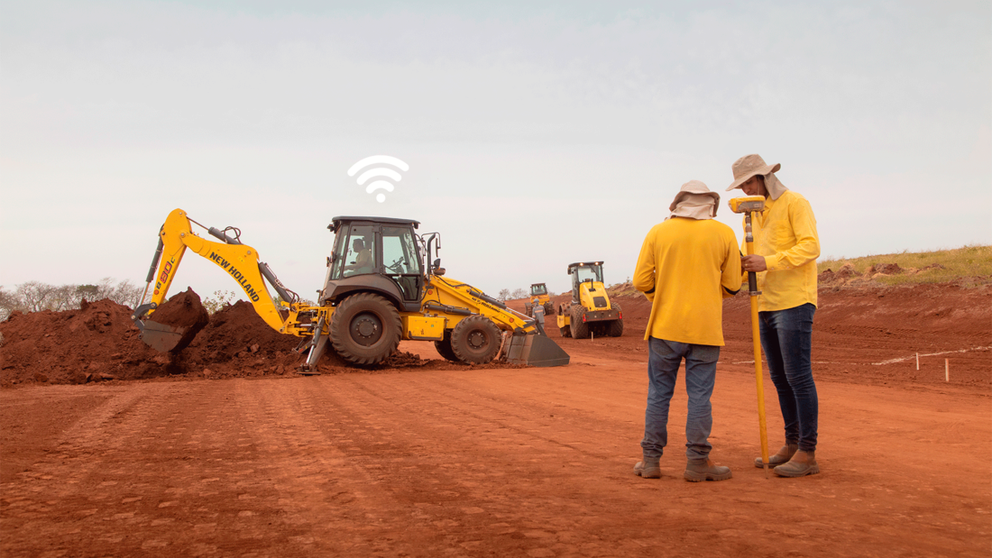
x=752 y=285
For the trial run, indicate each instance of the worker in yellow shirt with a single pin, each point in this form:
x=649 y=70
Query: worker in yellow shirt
x=687 y=265
x=786 y=247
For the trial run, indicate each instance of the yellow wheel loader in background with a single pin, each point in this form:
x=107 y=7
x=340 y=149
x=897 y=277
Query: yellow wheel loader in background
x=590 y=311
x=539 y=297
x=380 y=287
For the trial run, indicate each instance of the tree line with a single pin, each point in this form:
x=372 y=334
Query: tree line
x=35 y=296
x=506 y=294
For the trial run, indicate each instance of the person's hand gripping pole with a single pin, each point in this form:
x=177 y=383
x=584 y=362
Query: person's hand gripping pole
x=748 y=205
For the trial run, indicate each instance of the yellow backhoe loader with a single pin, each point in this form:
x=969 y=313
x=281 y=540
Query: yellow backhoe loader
x=380 y=287
x=590 y=312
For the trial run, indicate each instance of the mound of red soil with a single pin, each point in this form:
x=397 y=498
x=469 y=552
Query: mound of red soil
x=888 y=269
x=97 y=341
x=185 y=315
x=100 y=342
x=843 y=274
x=238 y=342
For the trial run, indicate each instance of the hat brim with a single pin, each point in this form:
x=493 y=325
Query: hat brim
x=683 y=195
x=763 y=171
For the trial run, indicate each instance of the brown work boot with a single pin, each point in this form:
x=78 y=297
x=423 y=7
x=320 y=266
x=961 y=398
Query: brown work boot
x=802 y=463
x=648 y=469
x=783 y=456
x=704 y=470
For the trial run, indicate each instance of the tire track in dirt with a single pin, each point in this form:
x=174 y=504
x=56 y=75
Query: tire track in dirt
x=85 y=473
x=331 y=498
x=529 y=483
x=469 y=462
x=423 y=468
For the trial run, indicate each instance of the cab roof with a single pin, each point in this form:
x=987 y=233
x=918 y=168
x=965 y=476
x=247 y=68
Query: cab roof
x=337 y=221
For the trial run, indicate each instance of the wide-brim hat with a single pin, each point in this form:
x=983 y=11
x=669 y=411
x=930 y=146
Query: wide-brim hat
x=748 y=166
x=694 y=188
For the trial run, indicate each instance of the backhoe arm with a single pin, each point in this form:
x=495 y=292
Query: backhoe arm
x=237 y=260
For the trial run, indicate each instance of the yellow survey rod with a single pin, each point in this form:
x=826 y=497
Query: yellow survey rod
x=748 y=205
x=752 y=282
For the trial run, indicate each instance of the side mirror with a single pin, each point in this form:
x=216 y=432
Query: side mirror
x=436 y=268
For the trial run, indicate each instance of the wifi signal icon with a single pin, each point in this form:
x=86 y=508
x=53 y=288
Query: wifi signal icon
x=378 y=173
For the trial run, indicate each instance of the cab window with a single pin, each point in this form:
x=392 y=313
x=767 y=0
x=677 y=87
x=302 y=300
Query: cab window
x=589 y=274
x=401 y=260
x=355 y=253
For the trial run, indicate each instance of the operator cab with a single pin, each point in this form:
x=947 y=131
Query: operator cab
x=379 y=254
x=538 y=289
x=584 y=272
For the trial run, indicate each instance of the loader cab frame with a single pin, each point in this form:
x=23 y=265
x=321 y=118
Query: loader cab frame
x=538 y=289
x=584 y=272
x=378 y=254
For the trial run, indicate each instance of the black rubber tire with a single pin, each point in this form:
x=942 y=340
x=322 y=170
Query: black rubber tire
x=365 y=329
x=529 y=310
x=549 y=309
x=444 y=348
x=615 y=329
x=580 y=329
x=476 y=340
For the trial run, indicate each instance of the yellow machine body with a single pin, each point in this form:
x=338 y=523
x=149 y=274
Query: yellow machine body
x=590 y=312
x=444 y=304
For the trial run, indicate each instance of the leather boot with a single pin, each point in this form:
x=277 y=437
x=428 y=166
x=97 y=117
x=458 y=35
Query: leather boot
x=648 y=469
x=783 y=456
x=704 y=470
x=802 y=463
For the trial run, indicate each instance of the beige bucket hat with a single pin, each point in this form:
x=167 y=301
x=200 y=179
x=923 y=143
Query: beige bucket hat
x=748 y=166
x=693 y=196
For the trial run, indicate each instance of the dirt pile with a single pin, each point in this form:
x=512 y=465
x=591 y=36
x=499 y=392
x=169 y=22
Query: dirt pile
x=183 y=315
x=100 y=342
x=96 y=342
x=846 y=275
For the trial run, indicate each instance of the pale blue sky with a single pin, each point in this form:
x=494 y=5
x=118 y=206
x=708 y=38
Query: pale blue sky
x=536 y=135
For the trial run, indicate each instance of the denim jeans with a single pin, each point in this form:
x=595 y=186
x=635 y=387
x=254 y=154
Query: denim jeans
x=700 y=377
x=787 y=338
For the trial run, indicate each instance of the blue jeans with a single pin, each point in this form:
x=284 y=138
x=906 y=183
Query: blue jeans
x=700 y=377
x=787 y=338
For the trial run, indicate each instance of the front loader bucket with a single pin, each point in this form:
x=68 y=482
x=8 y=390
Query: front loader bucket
x=535 y=350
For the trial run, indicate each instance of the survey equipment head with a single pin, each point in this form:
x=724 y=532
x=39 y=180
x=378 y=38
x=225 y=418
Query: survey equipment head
x=747 y=204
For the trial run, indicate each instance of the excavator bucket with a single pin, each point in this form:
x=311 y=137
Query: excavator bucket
x=164 y=338
x=535 y=349
x=176 y=322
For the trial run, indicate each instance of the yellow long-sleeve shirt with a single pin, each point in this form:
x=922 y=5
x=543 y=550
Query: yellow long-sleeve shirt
x=686 y=267
x=785 y=234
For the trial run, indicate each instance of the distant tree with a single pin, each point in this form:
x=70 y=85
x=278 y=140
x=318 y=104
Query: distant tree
x=519 y=293
x=35 y=296
x=124 y=293
x=219 y=301
x=503 y=295
x=8 y=303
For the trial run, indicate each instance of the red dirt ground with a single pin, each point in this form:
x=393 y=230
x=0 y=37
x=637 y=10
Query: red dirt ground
x=422 y=457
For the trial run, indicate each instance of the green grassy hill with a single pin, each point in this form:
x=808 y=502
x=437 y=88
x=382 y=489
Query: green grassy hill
x=970 y=266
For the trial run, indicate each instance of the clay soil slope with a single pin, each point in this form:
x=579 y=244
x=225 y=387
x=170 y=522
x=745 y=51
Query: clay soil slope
x=110 y=449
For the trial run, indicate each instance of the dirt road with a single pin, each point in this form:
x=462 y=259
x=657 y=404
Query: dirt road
x=478 y=462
